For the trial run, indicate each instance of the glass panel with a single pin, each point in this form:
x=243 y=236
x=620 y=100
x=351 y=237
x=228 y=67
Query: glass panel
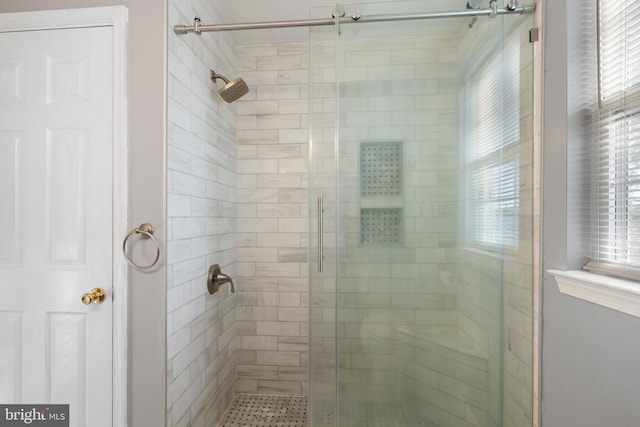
x=427 y=287
x=322 y=225
x=518 y=261
x=403 y=348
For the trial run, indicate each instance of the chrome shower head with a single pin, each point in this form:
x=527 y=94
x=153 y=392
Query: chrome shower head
x=233 y=89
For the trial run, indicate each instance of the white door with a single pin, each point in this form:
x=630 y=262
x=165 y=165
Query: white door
x=56 y=150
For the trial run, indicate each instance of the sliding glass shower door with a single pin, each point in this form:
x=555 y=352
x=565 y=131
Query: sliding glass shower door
x=323 y=224
x=421 y=187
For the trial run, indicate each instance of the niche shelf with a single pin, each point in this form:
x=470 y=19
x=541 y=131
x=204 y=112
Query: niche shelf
x=381 y=198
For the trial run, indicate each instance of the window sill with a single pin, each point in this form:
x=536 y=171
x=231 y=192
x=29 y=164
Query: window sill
x=618 y=294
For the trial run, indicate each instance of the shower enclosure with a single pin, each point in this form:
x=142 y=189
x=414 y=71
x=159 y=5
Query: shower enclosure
x=421 y=250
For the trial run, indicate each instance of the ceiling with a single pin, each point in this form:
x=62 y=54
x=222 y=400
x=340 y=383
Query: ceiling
x=237 y=11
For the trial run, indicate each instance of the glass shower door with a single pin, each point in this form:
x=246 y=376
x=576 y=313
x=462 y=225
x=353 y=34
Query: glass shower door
x=423 y=313
x=400 y=348
x=323 y=226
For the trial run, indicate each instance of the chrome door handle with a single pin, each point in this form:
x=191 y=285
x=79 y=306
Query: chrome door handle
x=320 y=234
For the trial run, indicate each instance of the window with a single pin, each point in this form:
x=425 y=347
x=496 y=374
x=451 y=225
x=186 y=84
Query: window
x=492 y=134
x=615 y=161
x=494 y=195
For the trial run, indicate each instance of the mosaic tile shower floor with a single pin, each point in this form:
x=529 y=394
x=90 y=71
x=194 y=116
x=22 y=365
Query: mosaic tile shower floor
x=249 y=410
x=284 y=411
x=370 y=414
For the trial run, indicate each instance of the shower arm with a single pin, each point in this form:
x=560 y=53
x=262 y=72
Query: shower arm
x=215 y=76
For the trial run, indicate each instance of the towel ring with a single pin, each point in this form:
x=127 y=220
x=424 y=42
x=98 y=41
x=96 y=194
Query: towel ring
x=147 y=233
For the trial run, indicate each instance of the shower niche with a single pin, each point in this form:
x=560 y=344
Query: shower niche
x=381 y=182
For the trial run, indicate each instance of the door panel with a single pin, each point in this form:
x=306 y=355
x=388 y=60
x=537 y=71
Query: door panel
x=56 y=150
x=10 y=143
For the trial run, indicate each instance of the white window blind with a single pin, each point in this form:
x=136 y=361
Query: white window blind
x=615 y=174
x=493 y=131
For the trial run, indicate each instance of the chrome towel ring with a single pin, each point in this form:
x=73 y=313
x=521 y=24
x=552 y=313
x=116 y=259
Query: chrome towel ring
x=147 y=233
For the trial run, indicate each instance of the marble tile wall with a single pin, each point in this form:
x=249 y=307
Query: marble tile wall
x=201 y=223
x=272 y=135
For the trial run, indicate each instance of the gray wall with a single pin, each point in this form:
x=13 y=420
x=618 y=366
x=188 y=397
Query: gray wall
x=146 y=76
x=590 y=364
x=590 y=354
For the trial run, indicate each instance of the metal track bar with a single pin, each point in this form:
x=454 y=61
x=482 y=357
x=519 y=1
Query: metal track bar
x=199 y=28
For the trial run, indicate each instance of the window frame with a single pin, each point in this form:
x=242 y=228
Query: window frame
x=612 y=192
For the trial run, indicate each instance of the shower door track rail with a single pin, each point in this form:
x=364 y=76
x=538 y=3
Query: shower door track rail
x=198 y=28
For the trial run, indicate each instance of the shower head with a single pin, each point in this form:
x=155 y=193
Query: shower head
x=233 y=89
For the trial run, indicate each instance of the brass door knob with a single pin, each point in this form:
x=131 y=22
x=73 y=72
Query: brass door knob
x=96 y=296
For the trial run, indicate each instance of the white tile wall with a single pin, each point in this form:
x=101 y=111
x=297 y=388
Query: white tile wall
x=272 y=225
x=201 y=222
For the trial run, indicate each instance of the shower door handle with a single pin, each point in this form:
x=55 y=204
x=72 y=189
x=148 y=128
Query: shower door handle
x=320 y=234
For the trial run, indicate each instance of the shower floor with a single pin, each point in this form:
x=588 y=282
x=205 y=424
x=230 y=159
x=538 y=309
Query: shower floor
x=250 y=410
x=370 y=414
